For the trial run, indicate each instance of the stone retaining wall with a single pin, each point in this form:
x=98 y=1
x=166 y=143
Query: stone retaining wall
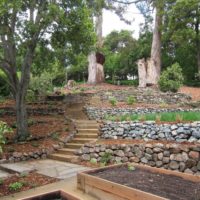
x=146 y=95
x=150 y=130
x=101 y=113
x=169 y=156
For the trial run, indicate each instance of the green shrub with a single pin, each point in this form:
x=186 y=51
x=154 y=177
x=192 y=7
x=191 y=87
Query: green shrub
x=113 y=101
x=106 y=158
x=59 y=79
x=131 y=100
x=171 y=79
x=4 y=86
x=3 y=129
x=1 y=181
x=41 y=85
x=93 y=161
x=15 y=186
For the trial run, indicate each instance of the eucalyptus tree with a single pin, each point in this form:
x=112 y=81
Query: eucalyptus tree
x=24 y=23
x=184 y=25
x=120 y=6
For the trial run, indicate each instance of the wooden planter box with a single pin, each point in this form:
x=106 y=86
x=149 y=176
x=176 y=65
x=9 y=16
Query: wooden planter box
x=108 y=190
x=53 y=195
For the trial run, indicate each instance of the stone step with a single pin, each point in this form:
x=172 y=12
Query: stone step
x=82 y=140
x=85 y=122
x=88 y=135
x=66 y=151
x=87 y=126
x=62 y=157
x=73 y=145
x=88 y=130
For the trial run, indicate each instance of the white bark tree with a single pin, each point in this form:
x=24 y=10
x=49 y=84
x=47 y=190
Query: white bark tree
x=96 y=70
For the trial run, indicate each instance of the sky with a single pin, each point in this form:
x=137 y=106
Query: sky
x=112 y=22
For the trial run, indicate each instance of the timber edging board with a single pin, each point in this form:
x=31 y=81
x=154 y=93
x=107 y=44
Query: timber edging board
x=53 y=194
x=102 y=188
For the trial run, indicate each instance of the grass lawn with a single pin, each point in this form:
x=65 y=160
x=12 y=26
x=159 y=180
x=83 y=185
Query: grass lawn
x=159 y=117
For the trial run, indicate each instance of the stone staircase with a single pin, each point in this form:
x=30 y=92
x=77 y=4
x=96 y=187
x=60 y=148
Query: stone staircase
x=87 y=131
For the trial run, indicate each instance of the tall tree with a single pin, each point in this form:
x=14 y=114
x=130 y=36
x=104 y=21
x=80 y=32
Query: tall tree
x=184 y=25
x=153 y=64
x=23 y=23
x=95 y=69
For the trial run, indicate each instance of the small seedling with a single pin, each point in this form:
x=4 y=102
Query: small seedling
x=179 y=118
x=15 y=186
x=106 y=158
x=131 y=167
x=158 y=118
x=102 y=164
x=93 y=161
x=55 y=136
x=163 y=105
x=142 y=118
x=1 y=181
x=23 y=174
x=131 y=100
x=34 y=144
x=113 y=101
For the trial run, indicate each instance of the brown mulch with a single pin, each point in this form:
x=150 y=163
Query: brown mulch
x=45 y=134
x=164 y=185
x=192 y=91
x=29 y=181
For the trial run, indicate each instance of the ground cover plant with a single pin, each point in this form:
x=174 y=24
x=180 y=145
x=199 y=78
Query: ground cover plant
x=46 y=129
x=18 y=183
x=159 y=117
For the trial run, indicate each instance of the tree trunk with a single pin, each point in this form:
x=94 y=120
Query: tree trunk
x=142 y=73
x=100 y=73
x=21 y=115
x=92 y=68
x=99 y=29
x=96 y=70
x=154 y=67
x=197 y=25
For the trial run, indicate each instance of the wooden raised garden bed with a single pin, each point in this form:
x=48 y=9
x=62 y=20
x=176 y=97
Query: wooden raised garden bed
x=120 y=182
x=56 y=195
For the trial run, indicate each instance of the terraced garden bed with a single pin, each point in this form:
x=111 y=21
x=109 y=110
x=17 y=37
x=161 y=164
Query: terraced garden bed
x=139 y=183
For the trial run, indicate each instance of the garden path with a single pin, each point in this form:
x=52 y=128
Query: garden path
x=51 y=168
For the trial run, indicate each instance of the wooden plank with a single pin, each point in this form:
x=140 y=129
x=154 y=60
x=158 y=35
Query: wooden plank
x=89 y=183
x=119 y=190
x=185 y=176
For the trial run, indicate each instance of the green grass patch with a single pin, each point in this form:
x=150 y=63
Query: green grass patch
x=162 y=117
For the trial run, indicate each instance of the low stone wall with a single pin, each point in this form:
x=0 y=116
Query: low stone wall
x=33 y=155
x=101 y=113
x=169 y=156
x=146 y=95
x=150 y=130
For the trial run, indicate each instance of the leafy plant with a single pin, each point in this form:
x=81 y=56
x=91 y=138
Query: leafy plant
x=3 y=129
x=15 y=186
x=131 y=167
x=113 y=101
x=1 y=181
x=41 y=85
x=106 y=158
x=179 y=117
x=171 y=79
x=55 y=136
x=23 y=174
x=93 y=161
x=131 y=100
x=34 y=144
x=158 y=118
